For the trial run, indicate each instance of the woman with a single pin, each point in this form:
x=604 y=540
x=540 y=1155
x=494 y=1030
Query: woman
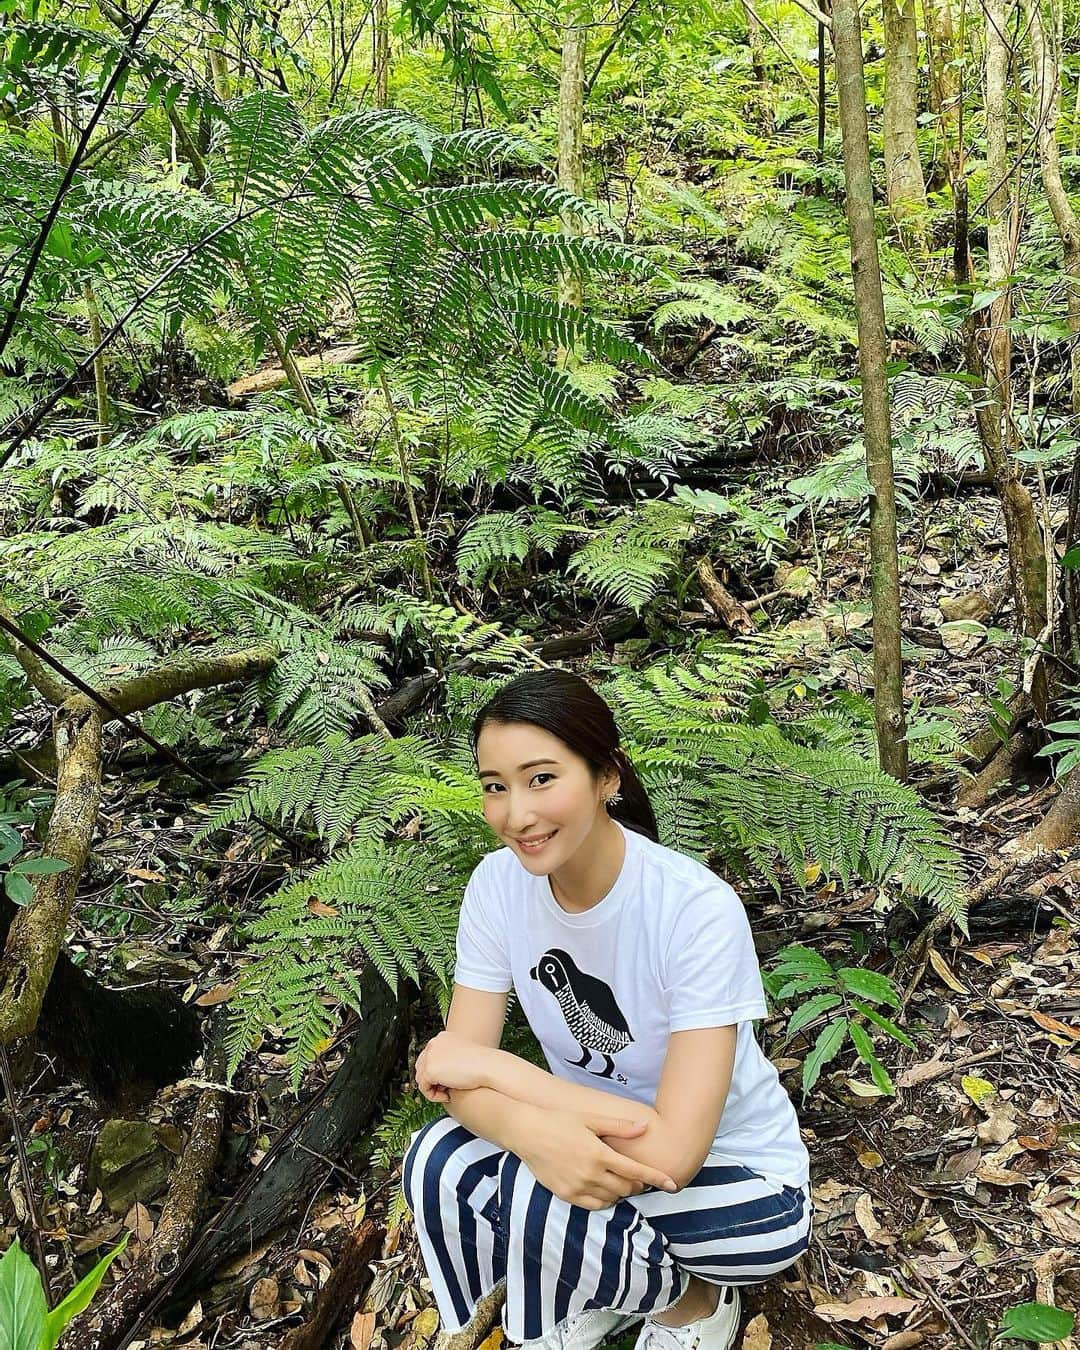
x=659 y=1164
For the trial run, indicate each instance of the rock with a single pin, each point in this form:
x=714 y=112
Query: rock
x=127 y=1164
x=632 y=650
x=812 y=632
x=966 y=605
x=961 y=637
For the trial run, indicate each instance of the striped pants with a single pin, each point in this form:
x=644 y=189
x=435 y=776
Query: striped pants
x=480 y=1214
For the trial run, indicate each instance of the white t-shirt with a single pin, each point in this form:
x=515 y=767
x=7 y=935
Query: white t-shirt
x=668 y=948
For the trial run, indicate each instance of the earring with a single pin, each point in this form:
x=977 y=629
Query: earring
x=615 y=797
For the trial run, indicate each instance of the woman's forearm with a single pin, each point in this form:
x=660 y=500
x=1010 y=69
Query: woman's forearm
x=492 y=1115
x=516 y=1077
x=659 y=1146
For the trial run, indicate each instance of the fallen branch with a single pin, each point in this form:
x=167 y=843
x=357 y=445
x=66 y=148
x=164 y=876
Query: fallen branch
x=37 y=931
x=730 y=610
x=159 y=1258
x=274 y=377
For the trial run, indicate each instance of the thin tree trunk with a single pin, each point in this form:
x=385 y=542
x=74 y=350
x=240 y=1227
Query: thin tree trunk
x=382 y=53
x=870 y=309
x=944 y=78
x=903 y=169
x=571 y=135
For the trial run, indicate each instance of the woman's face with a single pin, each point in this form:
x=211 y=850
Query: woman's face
x=537 y=789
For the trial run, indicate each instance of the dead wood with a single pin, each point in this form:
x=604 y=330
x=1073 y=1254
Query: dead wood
x=1011 y=763
x=1060 y=827
x=37 y=931
x=340 y=1296
x=275 y=377
x=408 y=696
x=302 y=1157
x=733 y=612
x=103 y=1327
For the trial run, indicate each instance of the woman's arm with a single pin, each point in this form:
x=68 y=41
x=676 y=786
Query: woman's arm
x=690 y=1097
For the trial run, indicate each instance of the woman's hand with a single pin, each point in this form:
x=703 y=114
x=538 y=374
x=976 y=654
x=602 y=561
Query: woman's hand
x=449 y=1061
x=567 y=1154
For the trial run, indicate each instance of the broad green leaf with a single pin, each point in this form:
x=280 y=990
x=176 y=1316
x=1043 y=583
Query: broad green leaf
x=1071 y=558
x=40 y=867
x=813 y=1007
x=59 y=243
x=825 y=1047
x=889 y=1027
x=19 y=890
x=865 y=1049
x=22 y=1302
x=1038 y=1322
x=10 y=844
x=868 y=984
x=78 y=1299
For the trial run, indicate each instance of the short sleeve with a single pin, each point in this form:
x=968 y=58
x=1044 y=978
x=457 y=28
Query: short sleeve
x=711 y=976
x=483 y=959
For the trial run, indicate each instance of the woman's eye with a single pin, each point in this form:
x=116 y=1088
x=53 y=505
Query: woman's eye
x=542 y=775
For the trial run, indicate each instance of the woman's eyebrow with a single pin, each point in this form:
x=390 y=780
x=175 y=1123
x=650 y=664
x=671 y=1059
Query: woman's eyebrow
x=532 y=763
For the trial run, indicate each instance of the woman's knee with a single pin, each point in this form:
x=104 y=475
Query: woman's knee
x=421 y=1157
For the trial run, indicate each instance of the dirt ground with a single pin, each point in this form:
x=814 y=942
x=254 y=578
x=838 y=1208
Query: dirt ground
x=935 y=1209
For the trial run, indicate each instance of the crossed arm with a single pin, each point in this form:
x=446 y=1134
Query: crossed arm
x=508 y=1100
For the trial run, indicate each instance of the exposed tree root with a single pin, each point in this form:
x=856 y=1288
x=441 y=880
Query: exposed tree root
x=1011 y=763
x=104 y=1326
x=338 y=1298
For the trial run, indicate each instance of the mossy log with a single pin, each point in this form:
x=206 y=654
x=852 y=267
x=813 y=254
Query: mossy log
x=36 y=933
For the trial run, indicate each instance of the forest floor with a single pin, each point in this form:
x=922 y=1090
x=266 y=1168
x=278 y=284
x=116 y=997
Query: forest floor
x=935 y=1209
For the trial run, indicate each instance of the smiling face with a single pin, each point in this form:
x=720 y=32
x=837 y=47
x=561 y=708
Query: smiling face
x=540 y=796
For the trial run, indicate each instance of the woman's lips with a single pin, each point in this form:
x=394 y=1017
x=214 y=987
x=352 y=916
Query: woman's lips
x=536 y=847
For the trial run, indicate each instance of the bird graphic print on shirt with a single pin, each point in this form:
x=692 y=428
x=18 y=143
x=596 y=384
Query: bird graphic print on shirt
x=592 y=1016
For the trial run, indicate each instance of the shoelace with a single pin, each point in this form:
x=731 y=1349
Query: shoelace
x=660 y=1337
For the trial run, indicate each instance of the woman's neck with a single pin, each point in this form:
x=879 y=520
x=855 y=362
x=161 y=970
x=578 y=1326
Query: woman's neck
x=583 y=880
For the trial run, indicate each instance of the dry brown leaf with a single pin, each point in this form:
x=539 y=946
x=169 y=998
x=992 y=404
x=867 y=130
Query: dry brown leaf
x=192 y=1320
x=1001 y=1176
x=757 y=1335
x=867 y=1221
x=903 y=1340
x=264 y=1299
x=493 y=1342
x=218 y=994
x=870 y=1159
x=317 y=906
x=1039 y=1143
x=866 y=1309
x=141 y=874
x=139 y=1223
x=1052 y=1024
x=944 y=974
x=362 y=1330
x=1063 y=1224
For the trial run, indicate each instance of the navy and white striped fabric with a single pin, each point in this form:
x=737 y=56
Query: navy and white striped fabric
x=480 y=1214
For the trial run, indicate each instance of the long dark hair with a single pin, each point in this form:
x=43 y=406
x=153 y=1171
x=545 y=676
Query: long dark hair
x=569 y=707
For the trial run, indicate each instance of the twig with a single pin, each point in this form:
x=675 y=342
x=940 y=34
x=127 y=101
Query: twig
x=24 y=1171
x=939 y=1305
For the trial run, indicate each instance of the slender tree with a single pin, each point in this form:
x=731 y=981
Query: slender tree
x=903 y=168
x=571 y=132
x=870 y=311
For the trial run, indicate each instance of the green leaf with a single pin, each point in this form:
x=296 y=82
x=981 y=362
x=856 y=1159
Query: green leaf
x=1071 y=558
x=40 y=867
x=796 y=958
x=803 y=984
x=813 y=1007
x=865 y=1049
x=10 y=844
x=868 y=984
x=890 y=1028
x=1038 y=1322
x=22 y=1302
x=59 y=243
x=78 y=1299
x=825 y=1048
x=19 y=890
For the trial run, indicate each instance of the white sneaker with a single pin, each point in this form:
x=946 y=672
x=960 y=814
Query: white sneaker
x=715 y=1332
x=585 y=1331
